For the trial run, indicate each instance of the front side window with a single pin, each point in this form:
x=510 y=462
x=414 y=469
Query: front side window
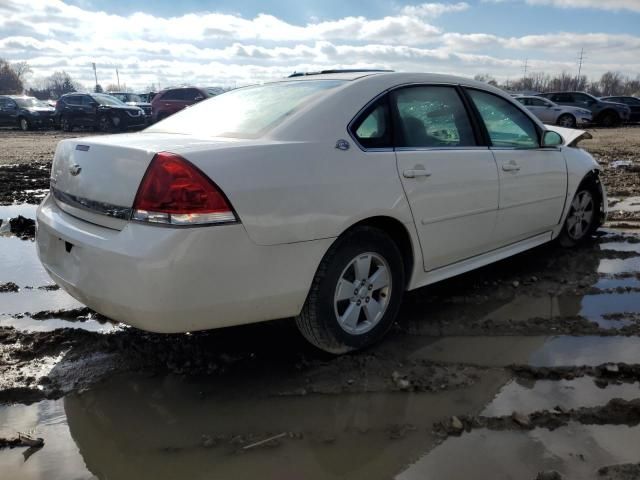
x=107 y=100
x=432 y=116
x=562 y=98
x=373 y=127
x=73 y=100
x=506 y=124
x=537 y=102
x=583 y=99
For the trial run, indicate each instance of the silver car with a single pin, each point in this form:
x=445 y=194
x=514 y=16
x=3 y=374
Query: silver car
x=552 y=113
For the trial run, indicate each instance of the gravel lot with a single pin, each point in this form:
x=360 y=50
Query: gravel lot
x=523 y=368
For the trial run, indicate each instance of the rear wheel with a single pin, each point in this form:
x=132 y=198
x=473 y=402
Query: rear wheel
x=356 y=293
x=609 y=119
x=582 y=220
x=65 y=124
x=567 y=120
x=24 y=124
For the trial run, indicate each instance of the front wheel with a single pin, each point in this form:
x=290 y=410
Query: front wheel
x=567 y=120
x=104 y=123
x=356 y=293
x=582 y=220
x=65 y=124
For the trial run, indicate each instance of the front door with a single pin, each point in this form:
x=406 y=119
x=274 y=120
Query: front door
x=533 y=180
x=451 y=181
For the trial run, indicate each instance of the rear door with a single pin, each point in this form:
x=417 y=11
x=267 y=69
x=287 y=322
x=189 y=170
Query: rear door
x=450 y=179
x=533 y=180
x=73 y=109
x=4 y=114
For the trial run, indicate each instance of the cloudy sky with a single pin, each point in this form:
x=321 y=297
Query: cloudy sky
x=246 y=41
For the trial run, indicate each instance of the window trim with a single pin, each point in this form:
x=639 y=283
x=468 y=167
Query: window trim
x=480 y=135
x=518 y=106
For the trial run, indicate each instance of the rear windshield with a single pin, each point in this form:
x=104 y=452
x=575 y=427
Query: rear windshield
x=245 y=112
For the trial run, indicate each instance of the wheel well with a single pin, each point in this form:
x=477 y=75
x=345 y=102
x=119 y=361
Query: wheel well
x=398 y=233
x=592 y=179
x=608 y=111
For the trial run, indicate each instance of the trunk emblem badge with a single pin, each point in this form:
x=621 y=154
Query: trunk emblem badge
x=75 y=170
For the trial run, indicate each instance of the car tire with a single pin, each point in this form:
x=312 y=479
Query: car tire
x=24 y=125
x=65 y=124
x=609 y=119
x=567 y=120
x=356 y=292
x=104 y=124
x=582 y=219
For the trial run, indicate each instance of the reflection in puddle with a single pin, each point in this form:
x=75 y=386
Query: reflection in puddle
x=538 y=351
x=621 y=246
x=20 y=263
x=526 y=396
x=135 y=427
x=618 y=265
x=629 y=282
x=576 y=451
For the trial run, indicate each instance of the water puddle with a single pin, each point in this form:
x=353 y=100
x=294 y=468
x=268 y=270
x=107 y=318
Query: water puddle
x=628 y=282
x=540 y=351
x=167 y=427
x=20 y=263
x=576 y=451
x=618 y=265
x=529 y=396
x=24 y=209
x=627 y=204
x=27 y=323
x=621 y=246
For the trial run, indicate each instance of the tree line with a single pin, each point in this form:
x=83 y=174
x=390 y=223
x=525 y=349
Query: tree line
x=12 y=82
x=609 y=84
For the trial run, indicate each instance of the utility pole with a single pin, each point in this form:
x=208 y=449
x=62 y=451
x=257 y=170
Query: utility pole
x=580 y=61
x=118 y=77
x=525 y=67
x=95 y=73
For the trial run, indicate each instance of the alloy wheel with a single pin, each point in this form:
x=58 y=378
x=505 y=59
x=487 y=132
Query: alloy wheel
x=581 y=215
x=362 y=293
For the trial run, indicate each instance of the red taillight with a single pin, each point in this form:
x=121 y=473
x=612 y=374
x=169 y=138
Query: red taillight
x=174 y=191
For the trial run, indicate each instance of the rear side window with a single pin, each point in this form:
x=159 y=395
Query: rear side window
x=246 y=112
x=373 y=128
x=538 y=102
x=432 y=116
x=562 y=98
x=172 y=95
x=506 y=124
x=191 y=94
x=73 y=100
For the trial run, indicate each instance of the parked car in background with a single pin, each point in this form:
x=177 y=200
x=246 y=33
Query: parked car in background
x=98 y=110
x=549 y=112
x=632 y=102
x=335 y=195
x=607 y=114
x=25 y=112
x=171 y=100
x=135 y=100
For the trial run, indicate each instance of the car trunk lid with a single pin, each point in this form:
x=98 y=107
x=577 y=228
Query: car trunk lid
x=97 y=178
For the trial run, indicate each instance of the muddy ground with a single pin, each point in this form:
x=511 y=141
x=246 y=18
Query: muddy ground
x=529 y=368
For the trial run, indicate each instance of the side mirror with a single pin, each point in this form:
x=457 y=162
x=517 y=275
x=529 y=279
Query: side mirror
x=551 y=139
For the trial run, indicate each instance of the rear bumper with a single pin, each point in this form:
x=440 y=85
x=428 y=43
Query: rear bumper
x=175 y=279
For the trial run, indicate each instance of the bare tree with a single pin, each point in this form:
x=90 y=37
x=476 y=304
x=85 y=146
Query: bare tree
x=22 y=69
x=611 y=83
x=10 y=83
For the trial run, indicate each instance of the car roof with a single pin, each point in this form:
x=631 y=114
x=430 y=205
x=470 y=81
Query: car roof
x=397 y=77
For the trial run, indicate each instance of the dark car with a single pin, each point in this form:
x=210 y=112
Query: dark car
x=25 y=112
x=98 y=110
x=604 y=113
x=135 y=100
x=632 y=102
x=169 y=101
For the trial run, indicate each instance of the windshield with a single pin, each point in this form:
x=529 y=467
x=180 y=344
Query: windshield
x=245 y=112
x=107 y=100
x=128 y=97
x=30 y=102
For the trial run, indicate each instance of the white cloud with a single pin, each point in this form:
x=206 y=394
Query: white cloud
x=611 y=5
x=433 y=9
x=212 y=48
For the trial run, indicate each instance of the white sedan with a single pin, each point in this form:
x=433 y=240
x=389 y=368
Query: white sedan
x=321 y=197
x=549 y=112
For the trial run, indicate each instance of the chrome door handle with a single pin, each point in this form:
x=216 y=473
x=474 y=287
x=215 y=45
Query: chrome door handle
x=416 y=173
x=510 y=167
